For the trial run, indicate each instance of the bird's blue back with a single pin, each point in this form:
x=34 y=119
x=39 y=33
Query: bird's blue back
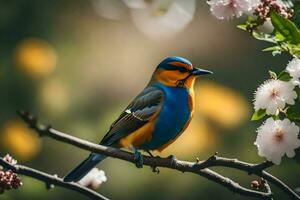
x=173 y=116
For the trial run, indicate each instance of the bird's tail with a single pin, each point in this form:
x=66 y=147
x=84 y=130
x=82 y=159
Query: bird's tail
x=84 y=167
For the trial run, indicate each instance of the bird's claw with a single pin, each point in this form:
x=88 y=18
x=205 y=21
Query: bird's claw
x=138 y=159
x=155 y=169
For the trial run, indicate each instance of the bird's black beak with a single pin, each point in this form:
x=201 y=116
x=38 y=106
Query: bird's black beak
x=198 y=72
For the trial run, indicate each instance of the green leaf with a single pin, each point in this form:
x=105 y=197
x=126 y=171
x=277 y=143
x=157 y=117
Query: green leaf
x=273 y=48
x=284 y=76
x=242 y=27
x=279 y=37
x=272 y=74
x=285 y=27
x=276 y=50
x=264 y=37
x=294 y=50
x=259 y=114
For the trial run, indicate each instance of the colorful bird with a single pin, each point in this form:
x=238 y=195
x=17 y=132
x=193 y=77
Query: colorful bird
x=155 y=118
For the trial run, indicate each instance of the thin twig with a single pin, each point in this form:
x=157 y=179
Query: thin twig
x=231 y=185
x=51 y=179
x=198 y=168
x=272 y=179
x=268 y=188
x=251 y=169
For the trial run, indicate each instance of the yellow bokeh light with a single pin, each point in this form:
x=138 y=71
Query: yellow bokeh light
x=19 y=140
x=35 y=57
x=53 y=96
x=221 y=104
x=198 y=137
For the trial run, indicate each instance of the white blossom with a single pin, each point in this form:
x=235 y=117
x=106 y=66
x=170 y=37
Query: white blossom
x=273 y=95
x=276 y=138
x=227 y=9
x=293 y=68
x=136 y=4
x=161 y=19
x=93 y=179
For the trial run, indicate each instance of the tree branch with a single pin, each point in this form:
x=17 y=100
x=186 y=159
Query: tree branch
x=268 y=188
x=172 y=163
x=51 y=179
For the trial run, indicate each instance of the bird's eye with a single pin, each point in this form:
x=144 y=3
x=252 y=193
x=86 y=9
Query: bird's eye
x=182 y=69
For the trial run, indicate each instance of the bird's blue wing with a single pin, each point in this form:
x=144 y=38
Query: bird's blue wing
x=142 y=109
x=137 y=114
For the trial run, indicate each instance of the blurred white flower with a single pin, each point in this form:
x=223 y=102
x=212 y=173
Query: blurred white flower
x=293 y=68
x=163 y=18
x=93 y=179
x=227 y=9
x=110 y=9
x=276 y=138
x=273 y=95
x=136 y=4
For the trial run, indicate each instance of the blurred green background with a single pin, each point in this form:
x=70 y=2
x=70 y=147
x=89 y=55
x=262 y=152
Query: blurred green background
x=76 y=64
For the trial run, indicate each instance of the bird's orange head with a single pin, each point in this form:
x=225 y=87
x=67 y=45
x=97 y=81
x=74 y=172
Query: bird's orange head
x=177 y=72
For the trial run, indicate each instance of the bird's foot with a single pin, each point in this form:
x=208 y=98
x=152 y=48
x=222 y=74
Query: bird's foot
x=155 y=169
x=138 y=159
x=151 y=155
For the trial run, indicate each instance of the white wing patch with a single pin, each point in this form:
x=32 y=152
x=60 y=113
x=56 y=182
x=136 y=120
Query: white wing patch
x=145 y=113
